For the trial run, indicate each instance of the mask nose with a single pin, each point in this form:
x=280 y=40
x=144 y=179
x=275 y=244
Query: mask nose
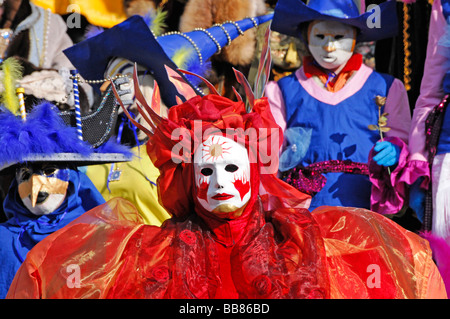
x=219 y=180
x=329 y=47
x=36 y=185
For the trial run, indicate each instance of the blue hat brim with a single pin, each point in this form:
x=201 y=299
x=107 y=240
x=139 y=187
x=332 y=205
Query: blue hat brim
x=289 y=15
x=131 y=40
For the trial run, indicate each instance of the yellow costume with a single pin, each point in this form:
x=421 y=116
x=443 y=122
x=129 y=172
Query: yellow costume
x=132 y=184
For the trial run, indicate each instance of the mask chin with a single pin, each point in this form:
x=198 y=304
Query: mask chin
x=229 y=211
x=48 y=206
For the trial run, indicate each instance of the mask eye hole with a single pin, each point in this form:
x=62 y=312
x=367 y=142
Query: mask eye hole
x=47 y=171
x=206 y=171
x=338 y=37
x=320 y=36
x=231 y=168
x=23 y=174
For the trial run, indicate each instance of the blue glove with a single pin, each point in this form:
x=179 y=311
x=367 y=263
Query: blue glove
x=417 y=199
x=388 y=154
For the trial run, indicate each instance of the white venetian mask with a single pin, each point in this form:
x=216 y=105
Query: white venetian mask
x=42 y=189
x=331 y=43
x=222 y=175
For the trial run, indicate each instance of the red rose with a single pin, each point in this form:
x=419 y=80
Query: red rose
x=262 y=284
x=188 y=237
x=316 y=294
x=161 y=273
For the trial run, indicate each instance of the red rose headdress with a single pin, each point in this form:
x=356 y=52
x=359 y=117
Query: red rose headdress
x=173 y=140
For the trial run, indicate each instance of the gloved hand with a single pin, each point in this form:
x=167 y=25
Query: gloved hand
x=125 y=90
x=417 y=199
x=388 y=154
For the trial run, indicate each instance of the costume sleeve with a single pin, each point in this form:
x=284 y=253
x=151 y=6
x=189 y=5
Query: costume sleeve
x=431 y=92
x=276 y=101
x=433 y=287
x=389 y=189
x=277 y=107
x=397 y=105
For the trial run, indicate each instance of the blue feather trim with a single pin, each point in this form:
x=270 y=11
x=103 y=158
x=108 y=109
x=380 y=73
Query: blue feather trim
x=44 y=132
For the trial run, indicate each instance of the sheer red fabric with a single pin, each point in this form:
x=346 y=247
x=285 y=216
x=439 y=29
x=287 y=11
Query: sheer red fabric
x=334 y=252
x=265 y=263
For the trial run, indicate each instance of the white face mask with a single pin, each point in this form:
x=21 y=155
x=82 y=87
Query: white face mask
x=331 y=43
x=42 y=190
x=222 y=175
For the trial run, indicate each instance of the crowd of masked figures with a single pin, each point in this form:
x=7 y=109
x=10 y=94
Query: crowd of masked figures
x=290 y=150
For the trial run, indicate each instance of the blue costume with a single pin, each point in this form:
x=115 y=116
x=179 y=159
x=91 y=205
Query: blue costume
x=23 y=229
x=333 y=115
x=337 y=132
x=48 y=191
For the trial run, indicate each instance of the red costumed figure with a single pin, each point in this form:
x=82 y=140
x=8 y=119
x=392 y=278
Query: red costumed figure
x=237 y=231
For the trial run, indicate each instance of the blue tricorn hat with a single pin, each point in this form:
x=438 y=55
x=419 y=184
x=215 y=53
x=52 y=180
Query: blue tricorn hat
x=133 y=40
x=289 y=15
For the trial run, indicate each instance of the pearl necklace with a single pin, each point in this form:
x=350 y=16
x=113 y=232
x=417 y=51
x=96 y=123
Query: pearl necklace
x=190 y=41
x=80 y=80
x=33 y=36
x=43 y=55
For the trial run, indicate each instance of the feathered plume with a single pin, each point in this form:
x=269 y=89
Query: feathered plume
x=45 y=133
x=182 y=56
x=185 y=59
x=12 y=72
x=156 y=21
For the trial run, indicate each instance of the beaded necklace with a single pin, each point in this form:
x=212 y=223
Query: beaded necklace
x=220 y=25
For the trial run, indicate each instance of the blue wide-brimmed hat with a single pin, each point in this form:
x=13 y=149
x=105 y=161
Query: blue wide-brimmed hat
x=45 y=137
x=133 y=40
x=289 y=15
